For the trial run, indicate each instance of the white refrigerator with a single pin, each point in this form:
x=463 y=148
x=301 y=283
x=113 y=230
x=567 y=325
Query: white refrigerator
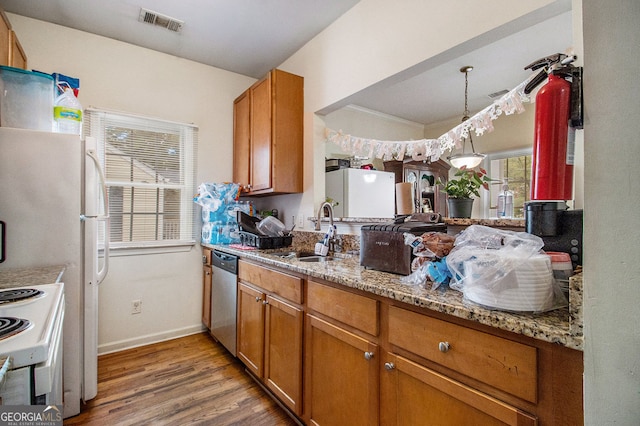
x=54 y=207
x=361 y=193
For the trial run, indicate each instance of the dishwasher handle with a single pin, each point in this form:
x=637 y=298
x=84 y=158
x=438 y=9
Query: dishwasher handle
x=225 y=261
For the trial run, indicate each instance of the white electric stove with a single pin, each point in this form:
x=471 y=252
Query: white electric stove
x=31 y=320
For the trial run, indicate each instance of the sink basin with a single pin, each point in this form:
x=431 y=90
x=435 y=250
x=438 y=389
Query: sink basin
x=303 y=256
x=290 y=254
x=317 y=258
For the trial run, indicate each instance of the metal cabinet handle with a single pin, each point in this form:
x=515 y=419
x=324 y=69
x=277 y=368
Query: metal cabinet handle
x=265 y=302
x=368 y=355
x=258 y=299
x=389 y=366
x=444 y=346
x=204 y=259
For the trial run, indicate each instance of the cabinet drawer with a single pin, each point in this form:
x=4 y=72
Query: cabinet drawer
x=351 y=309
x=501 y=363
x=284 y=285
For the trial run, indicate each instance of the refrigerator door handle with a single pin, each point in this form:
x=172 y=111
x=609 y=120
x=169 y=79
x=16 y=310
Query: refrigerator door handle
x=102 y=273
x=3 y=244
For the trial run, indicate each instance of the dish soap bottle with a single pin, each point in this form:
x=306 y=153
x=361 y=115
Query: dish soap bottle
x=67 y=113
x=505 y=202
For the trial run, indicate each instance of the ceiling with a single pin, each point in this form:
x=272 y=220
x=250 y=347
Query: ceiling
x=251 y=37
x=248 y=37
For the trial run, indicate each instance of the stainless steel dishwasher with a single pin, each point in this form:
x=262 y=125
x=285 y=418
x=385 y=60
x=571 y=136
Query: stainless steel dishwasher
x=224 y=294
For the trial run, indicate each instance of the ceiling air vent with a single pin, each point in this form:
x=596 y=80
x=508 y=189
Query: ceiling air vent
x=498 y=94
x=164 y=21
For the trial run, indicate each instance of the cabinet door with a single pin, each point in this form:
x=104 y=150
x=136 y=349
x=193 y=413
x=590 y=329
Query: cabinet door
x=251 y=328
x=16 y=53
x=261 y=135
x=242 y=140
x=283 y=352
x=206 y=296
x=415 y=395
x=5 y=42
x=342 y=372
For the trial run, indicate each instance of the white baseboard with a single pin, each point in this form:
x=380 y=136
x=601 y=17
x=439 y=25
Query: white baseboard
x=148 y=339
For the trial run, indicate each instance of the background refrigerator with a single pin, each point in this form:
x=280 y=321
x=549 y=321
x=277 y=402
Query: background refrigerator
x=361 y=193
x=50 y=196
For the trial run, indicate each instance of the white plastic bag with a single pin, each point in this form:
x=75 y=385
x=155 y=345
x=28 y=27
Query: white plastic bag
x=505 y=270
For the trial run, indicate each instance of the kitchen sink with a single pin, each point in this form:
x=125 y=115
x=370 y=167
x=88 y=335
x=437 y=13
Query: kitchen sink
x=303 y=256
x=291 y=254
x=317 y=258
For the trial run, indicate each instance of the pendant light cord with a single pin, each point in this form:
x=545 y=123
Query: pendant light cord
x=465 y=116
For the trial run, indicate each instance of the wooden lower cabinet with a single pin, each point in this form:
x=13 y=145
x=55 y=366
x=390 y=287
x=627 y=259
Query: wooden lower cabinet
x=251 y=328
x=412 y=394
x=206 y=296
x=270 y=342
x=336 y=356
x=342 y=375
x=283 y=352
x=207 y=276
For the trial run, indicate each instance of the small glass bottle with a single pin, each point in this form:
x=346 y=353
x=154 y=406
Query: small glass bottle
x=505 y=202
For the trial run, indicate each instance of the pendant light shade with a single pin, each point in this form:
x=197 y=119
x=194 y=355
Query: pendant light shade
x=468 y=161
x=472 y=159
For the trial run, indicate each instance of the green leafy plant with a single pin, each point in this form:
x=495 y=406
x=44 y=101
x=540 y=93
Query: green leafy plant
x=468 y=183
x=331 y=201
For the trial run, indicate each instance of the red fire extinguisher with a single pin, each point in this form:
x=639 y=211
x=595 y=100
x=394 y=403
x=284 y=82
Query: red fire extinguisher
x=555 y=121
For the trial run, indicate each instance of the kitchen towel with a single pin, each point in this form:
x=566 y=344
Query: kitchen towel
x=404 y=198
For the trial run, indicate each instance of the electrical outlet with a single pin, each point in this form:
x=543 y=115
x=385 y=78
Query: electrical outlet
x=136 y=307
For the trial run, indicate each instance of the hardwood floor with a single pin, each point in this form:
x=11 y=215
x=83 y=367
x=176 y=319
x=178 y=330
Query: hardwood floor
x=190 y=380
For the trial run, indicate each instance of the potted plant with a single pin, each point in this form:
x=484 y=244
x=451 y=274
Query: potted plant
x=460 y=191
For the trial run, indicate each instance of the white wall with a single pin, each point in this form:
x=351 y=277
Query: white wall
x=120 y=76
x=362 y=48
x=611 y=219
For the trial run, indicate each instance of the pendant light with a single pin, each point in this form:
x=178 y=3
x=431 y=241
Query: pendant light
x=474 y=158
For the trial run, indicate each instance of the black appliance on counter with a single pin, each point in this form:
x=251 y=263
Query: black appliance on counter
x=560 y=229
x=382 y=246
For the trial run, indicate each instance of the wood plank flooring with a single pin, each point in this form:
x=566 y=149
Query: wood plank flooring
x=187 y=381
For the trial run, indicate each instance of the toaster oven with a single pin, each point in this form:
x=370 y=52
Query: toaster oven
x=382 y=246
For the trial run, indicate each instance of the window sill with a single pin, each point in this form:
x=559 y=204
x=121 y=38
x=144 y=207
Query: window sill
x=140 y=250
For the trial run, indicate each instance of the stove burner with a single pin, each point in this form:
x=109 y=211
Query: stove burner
x=10 y=326
x=15 y=295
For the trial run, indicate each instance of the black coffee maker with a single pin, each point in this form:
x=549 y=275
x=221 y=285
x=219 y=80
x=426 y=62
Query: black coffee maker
x=559 y=228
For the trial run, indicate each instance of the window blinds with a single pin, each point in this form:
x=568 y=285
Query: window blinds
x=150 y=169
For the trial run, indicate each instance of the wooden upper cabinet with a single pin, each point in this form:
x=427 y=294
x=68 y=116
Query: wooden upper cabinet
x=242 y=138
x=261 y=127
x=268 y=142
x=5 y=34
x=11 y=52
x=17 y=56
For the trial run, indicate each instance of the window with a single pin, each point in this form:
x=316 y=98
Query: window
x=149 y=168
x=515 y=167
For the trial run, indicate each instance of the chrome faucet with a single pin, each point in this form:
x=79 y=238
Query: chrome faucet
x=324 y=205
x=334 y=243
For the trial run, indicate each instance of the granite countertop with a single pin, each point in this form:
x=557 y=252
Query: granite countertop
x=494 y=222
x=554 y=326
x=21 y=277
